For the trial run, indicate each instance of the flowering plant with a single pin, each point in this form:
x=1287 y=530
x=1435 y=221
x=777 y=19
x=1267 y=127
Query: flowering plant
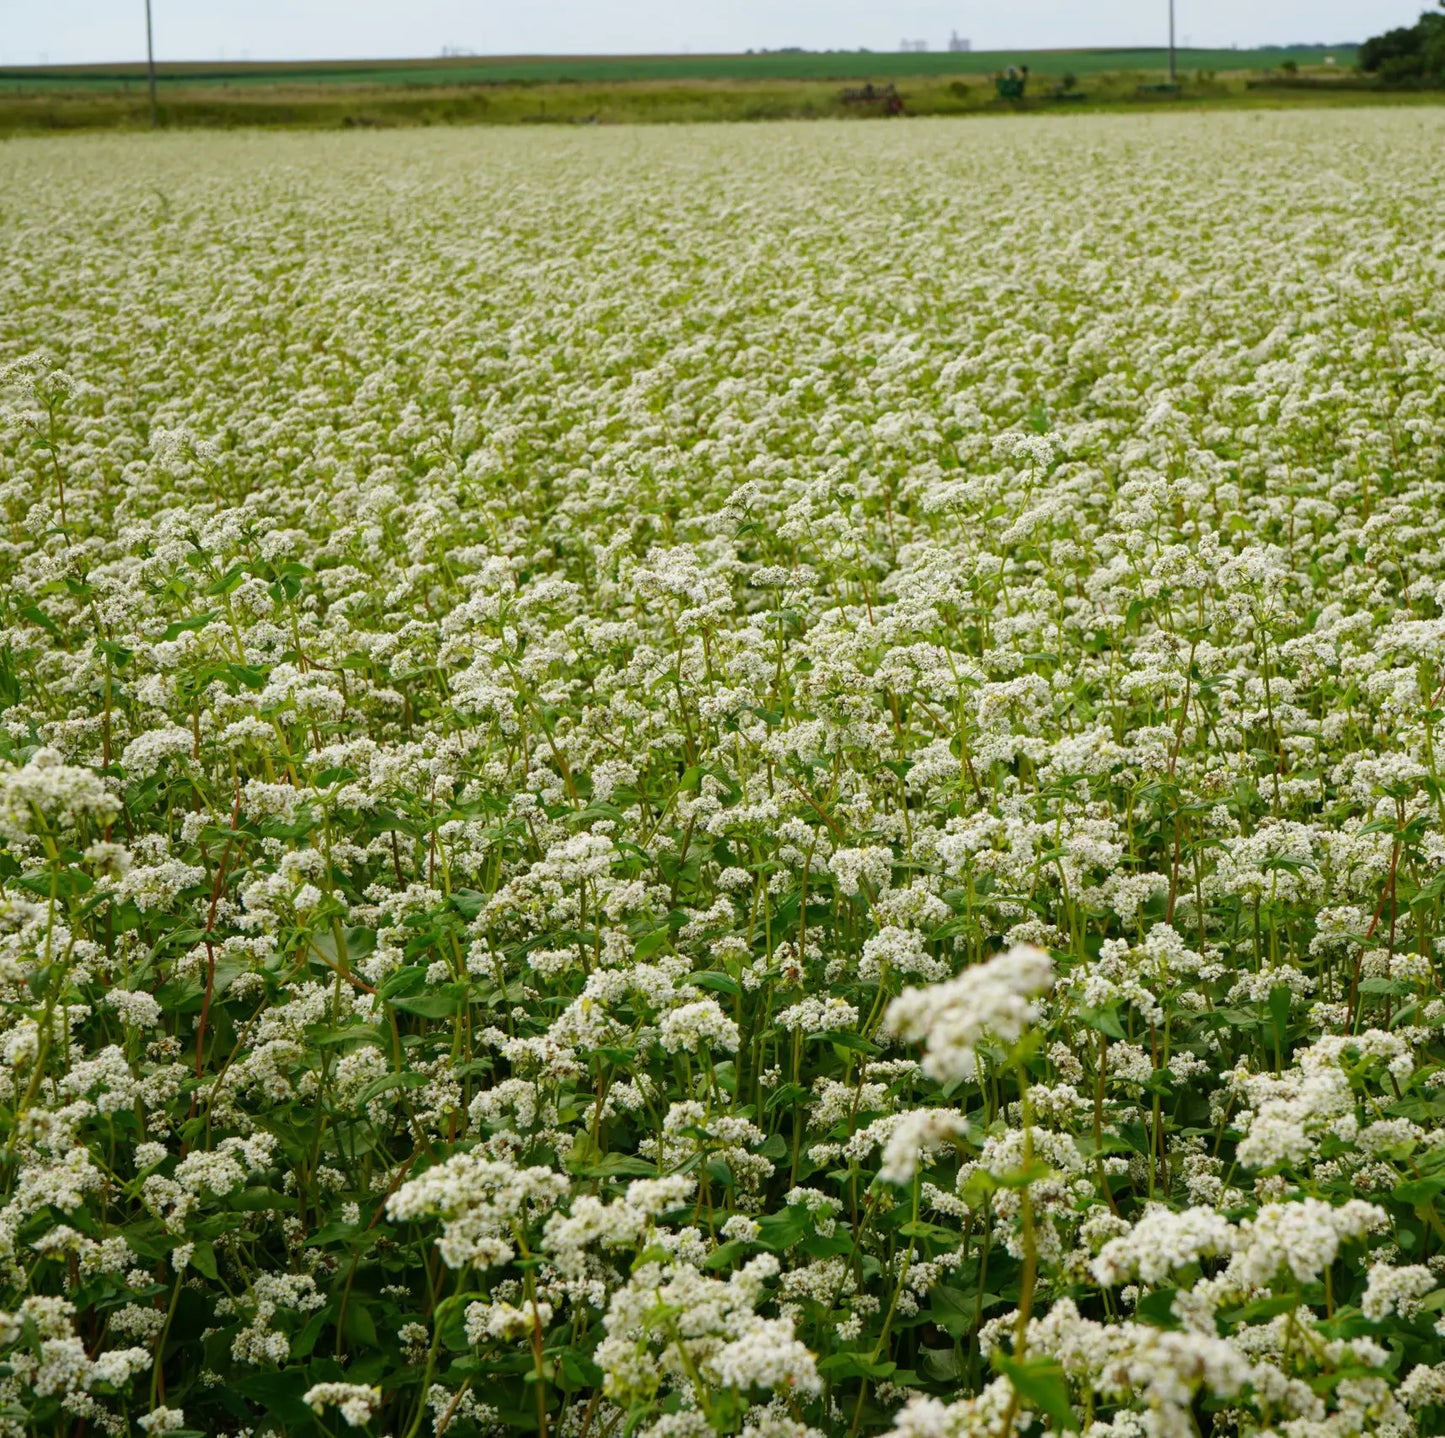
x=651 y=786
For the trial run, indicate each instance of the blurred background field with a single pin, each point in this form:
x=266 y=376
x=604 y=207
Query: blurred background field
x=630 y=89
x=766 y=65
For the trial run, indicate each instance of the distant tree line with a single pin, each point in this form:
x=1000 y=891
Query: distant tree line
x=1410 y=55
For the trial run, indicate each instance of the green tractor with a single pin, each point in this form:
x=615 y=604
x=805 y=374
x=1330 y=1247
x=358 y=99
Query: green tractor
x=1012 y=82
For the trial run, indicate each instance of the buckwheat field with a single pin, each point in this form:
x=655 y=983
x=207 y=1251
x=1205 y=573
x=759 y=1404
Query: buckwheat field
x=781 y=782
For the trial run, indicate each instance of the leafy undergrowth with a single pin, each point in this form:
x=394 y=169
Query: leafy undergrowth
x=657 y=785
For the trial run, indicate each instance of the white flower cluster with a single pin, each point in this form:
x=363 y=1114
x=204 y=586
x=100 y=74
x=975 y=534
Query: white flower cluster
x=993 y=1000
x=479 y=1201
x=357 y=1403
x=674 y=1326
x=47 y=793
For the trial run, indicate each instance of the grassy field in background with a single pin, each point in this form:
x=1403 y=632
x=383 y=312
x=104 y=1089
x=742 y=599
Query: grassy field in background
x=639 y=89
x=585 y=69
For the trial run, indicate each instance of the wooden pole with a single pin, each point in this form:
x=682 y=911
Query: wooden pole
x=1171 y=41
x=151 y=67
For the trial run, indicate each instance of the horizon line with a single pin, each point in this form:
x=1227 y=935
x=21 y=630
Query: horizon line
x=521 y=57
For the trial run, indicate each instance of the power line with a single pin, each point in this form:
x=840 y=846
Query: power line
x=151 y=67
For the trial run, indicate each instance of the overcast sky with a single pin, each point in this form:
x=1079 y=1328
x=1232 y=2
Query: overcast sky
x=66 y=31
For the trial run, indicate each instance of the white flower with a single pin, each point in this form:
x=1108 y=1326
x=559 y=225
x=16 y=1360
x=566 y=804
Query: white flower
x=812 y=1015
x=145 y=754
x=358 y=1403
x=1396 y=1290
x=917 y=1133
x=59 y=794
x=161 y=1420
x=138 y=1010
x=767 y=1355
x=853 y=868
x=478 y=1199
x=991 y=1000
x=502 y=1320
x=1161 y=1242
x=695 y=1025
x=1303 y=1237
x=899 y=951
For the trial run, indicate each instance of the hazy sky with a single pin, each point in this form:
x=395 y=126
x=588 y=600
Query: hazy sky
x=77 y=30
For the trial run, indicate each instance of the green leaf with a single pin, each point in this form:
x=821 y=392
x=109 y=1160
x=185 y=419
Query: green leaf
x=719 y=1171
x=1384 y=986
x=1378 y=826
x=65 y=882
x=854 y=1365
x=1263 y=1308
x=468 y=902
x=920 y=1228
x=1418 y=1191
x=617 y=1165
x=1429 y=892
x=177 y=627
x=1041 y=1384
x=1024 y=1175
x=258 y=1200
x=359 y=1326
x=855 y=1043
x=649 y=944
x=979 y=1185
x=579 y=1369
x=118 y=654
x=1157 y=1309
x=40 y=617
x=229 y=582
x=789 y=1093
x=1106 y=1144
x=1279 y=1002
x=1104 y=1021
x=429 y=1006
x=280 y=1394
x=957 y=1310
x=710 y=979
x=942 y=1365
x=403 y=981
x=248 y=676
x=387 y=1083
x=1288 y=864
x=611 y=1055
x=203 y=1260
x=351 y=1034
x=778 y=1231
x=728 y=1254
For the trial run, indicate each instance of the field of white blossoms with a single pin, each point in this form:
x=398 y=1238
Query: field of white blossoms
x=772 y=782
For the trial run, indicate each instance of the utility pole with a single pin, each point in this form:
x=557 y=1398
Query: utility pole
x=1171 y=38
x=151 y=66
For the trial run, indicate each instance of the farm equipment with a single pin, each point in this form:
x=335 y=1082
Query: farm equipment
x=1012 y=83
x=885 y=97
